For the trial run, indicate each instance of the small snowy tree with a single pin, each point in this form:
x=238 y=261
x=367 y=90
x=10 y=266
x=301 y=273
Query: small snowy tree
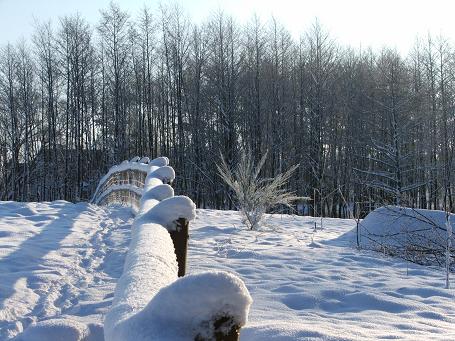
x=255 y=196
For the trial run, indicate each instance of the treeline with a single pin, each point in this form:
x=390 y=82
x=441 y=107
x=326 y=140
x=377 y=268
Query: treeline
x=366 y=127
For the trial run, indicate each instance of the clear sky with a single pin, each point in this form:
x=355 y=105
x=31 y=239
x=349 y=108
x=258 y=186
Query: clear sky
x=394 y=23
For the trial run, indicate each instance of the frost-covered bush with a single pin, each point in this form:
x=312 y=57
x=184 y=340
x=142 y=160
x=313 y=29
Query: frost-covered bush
x=254 y=195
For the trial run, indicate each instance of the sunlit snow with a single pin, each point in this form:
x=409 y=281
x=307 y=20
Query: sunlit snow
x=60 y=262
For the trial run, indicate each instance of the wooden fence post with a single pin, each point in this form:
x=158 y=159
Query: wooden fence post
x=223 y=330
x=180 y=239
x=221 y=334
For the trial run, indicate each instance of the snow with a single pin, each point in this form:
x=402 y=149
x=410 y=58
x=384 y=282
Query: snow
x=186 y=307
x=393 y=228
x=165 y=174
x=159 y=161
x=145 y=159
x=57 y=330
x=191 y=303
x=153 y=196
x=59 y=262
x=308 y=286
x=168 y=211
x=387 y=221
x=159 y=192
x=147 y=168
x=150 y=265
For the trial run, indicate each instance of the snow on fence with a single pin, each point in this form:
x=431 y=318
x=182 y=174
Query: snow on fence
x=150 y=301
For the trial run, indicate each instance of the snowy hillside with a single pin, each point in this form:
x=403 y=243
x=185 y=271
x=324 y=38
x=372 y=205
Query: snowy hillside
x=60 y=259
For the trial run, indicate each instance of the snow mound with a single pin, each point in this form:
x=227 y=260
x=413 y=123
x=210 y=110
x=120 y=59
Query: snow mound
x=417 y=234
x=56 y=330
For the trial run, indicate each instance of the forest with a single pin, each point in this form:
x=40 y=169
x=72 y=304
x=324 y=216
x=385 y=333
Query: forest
x=366 y=127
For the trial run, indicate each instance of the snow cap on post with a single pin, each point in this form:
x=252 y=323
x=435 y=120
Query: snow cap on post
x=150 y=183
x=135 y=159
x=153 y=196
x=195 y=302
x=166 y=174
x=159 y=192
x=168 y=211
x=159 y=161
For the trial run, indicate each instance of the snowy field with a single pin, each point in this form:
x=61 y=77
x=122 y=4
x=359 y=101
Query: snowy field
x=60 y=259
x=322 y=289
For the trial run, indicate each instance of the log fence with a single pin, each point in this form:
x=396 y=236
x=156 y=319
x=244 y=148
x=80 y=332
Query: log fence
x=144 y=185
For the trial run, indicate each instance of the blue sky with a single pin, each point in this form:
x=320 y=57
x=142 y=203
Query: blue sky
x=394 y=23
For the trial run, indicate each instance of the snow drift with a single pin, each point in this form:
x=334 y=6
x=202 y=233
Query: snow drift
x=63 y=329
x=415 y=234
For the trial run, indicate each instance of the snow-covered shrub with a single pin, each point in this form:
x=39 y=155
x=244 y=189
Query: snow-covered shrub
x=417 y=235
x=254 y=195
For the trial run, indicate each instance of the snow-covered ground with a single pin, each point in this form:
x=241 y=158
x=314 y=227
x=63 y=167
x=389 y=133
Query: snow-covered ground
x=322 y=289
x=61 y=259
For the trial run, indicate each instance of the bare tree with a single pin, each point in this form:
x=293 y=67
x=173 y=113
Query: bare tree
x=79 y=98
x=114 y=32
